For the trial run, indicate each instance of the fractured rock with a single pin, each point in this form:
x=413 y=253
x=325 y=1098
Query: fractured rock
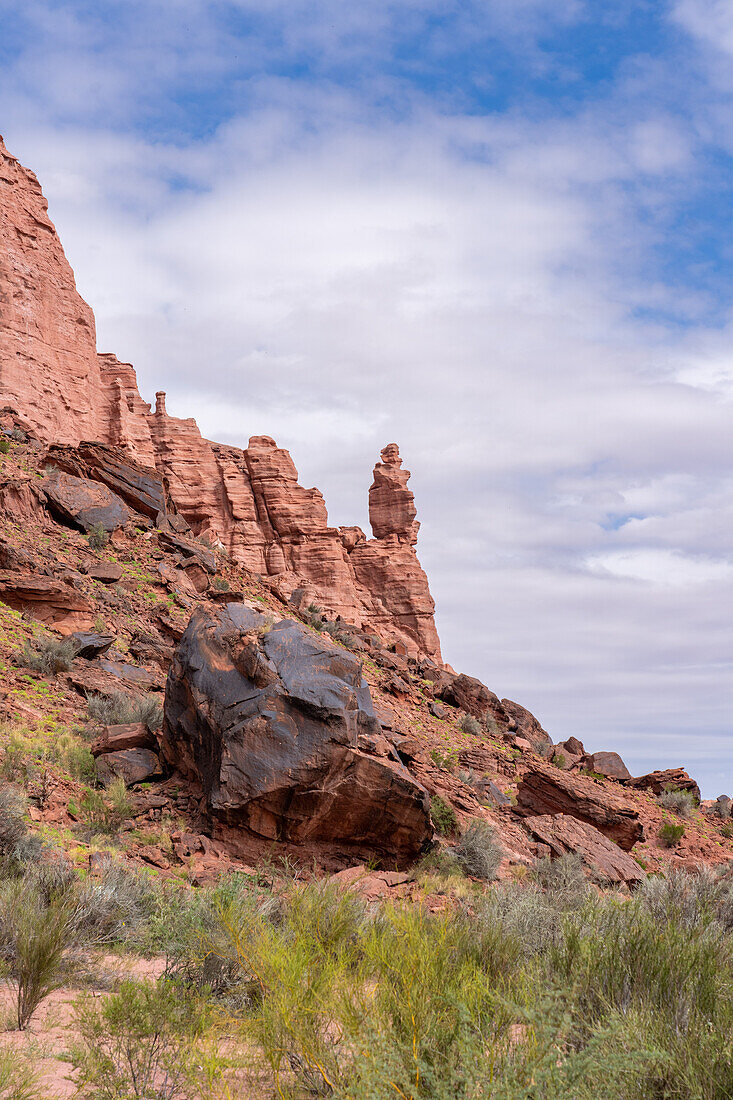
x=132 y=765
x=51 y=601
x=82 y=503
x=267 y=719
x=608 y=764
x=545 y=789
x=565 y=834
x=660 y=781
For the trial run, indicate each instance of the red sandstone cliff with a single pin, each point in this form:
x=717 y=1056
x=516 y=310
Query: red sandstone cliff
x=249 y=500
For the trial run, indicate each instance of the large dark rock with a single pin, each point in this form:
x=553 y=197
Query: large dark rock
x=526 y=724
x=267 y=719
x=545 y=789
x=137 y=485
x=132 y=765
x=471 y=695
x=608 y=764
x=83 y=503
x=90 y=644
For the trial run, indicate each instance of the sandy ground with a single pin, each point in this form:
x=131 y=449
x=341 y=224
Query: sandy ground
x=50 y=1033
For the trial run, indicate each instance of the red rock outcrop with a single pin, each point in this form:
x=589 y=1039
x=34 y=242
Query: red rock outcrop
x=249 y=501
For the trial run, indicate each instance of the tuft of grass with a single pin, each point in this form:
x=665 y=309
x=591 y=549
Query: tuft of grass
x=119 y=709
x=443 y=816
x=49 y=655
x=18 y=1080
x=104 y=812
x=97 y=537
x=468 y=724
x=479 y=851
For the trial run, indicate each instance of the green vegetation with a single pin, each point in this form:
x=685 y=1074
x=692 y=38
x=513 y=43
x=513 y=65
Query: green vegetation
x=468 y=724
x=97 y=537
x=479 y=851
x=443 y=816
x=671 y=834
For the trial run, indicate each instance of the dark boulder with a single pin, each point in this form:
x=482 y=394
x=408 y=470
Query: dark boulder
x=608 y=764
x=132 y=765
x=526 y=724
x=267 y=720
x=471 y=695
x=140 y=487
x=564 y=835
x=82 y=503
x=129 y=735
x=90 y=645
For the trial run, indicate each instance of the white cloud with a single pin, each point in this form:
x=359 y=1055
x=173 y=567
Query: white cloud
x=339 y=277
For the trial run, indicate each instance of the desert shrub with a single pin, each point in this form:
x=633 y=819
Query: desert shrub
x=678 y=802
x=119 y=709
x=479 y=851
x=563 y=879
x=670 y=834
x=689 y=900
x=115 y=905
x=722 y=808
x=221 y=584
x=4 y=446
x=468 y=724
x=49 y=655
x=526 y=915
x=18 y=1081
x=104 y=811
x=145 y=1042
x=17 y=846
x=35 y=933
x=97 y=537
x=443 y=816
x=75 y=758
x=559 y=760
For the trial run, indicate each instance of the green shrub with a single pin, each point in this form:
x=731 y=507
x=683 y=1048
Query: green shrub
x=145 y=1042
x=4 y=446
x=17 y=846
x=104 y=812
x=678 y=802
x=37 y=933
x=49 y=655
x=468 y=724
x=671 y=834
x=97 y=537
x=221 y=584
x=559 y=760
x=479 y=851
x=443 y=816
x=18 y=1081
x=446 y=760
x=119 y=709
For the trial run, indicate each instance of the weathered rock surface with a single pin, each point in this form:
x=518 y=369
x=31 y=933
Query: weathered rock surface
x=268 y=722
x=53 y=602
x=130 y=735
x=83 y=503
x=132 y=765
x=564 y=834
x=138 y=486
x=609 y=764
x=90 y=644
x=526 y=724
x=544 y=789
x=659 y=781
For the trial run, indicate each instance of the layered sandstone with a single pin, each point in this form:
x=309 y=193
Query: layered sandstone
x=250 y=500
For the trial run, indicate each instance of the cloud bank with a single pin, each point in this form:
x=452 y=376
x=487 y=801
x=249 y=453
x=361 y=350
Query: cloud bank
x=358 y=225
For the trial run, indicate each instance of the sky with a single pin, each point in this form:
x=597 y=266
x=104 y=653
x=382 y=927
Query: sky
x=497 y=232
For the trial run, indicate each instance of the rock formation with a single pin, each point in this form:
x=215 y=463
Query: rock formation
x=248 y=500
x=277 y=727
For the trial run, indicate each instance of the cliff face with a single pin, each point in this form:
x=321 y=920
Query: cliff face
x=249 y=500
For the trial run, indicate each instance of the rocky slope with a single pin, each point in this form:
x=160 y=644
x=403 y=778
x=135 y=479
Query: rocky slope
x=248 y=501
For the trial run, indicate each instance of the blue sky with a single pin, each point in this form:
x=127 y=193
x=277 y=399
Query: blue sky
x=496 y=232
